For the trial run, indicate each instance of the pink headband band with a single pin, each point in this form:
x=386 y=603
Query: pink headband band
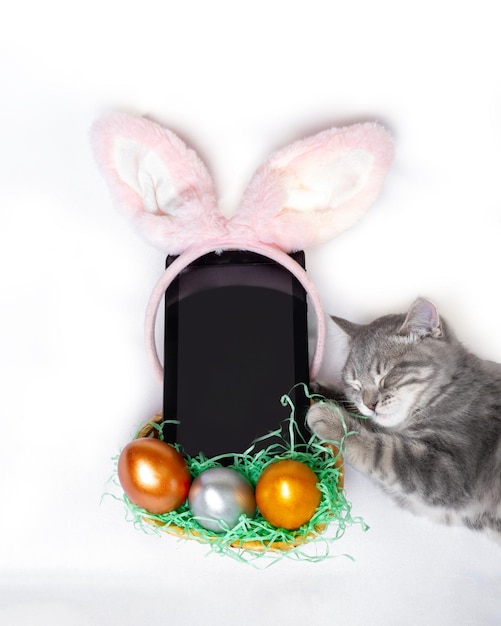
x=196 y=251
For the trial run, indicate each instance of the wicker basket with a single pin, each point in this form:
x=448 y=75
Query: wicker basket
x=149 y=430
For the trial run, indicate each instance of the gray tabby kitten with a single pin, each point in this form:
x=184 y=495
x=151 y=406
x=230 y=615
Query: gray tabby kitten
x=433 y=437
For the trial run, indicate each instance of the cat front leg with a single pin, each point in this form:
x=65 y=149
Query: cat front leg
x=325 y=420
x=365 y=449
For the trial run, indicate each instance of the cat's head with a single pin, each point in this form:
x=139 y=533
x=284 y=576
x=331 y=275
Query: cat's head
x=396 y=363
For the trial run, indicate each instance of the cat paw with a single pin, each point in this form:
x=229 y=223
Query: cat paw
x=324 y=419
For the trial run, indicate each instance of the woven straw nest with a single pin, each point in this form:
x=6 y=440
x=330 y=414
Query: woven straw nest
x=258 y=537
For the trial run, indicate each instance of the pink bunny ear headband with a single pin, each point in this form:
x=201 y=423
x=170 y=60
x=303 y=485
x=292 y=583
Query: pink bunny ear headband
x=304 y=194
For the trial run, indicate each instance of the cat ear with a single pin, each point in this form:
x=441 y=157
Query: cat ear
x=316 y=188
x=422 y=320
x=157 y=181
x=349 y=328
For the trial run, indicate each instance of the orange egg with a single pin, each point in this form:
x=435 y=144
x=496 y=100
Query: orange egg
x=153 y=475
x=287 y=494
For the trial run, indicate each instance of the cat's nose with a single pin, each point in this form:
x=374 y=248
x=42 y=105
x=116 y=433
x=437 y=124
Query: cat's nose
x=370 y=399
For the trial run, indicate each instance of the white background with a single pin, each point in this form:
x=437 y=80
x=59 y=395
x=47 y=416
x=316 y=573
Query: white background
x=236 y=81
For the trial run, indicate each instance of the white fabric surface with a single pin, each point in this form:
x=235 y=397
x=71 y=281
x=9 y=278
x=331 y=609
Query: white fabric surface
x=236 y=82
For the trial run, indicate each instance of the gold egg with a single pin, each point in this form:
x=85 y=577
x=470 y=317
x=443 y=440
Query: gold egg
x=287 y=494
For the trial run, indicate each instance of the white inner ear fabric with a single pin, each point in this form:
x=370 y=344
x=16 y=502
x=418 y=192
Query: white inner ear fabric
x=145 y=173
x=327 y=185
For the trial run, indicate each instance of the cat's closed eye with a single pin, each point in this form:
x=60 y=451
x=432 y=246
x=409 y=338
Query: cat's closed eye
x=383 y=383
x=355 y=384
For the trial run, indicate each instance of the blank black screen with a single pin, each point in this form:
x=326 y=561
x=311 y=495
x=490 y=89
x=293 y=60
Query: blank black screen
x=235 y=342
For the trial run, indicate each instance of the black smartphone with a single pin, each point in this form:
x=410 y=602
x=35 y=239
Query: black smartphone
x=235 y=342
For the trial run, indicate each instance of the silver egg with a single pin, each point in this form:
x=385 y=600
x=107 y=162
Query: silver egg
x=219 y=496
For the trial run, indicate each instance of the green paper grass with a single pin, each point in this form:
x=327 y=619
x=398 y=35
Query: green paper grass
x=255 y=538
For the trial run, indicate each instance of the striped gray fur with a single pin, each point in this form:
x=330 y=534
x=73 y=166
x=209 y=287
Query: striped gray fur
x=432 y=439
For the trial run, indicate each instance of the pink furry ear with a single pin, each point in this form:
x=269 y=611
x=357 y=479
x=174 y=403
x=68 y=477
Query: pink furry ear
x=158 y=182
x=314 y=189
x=303 y=195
